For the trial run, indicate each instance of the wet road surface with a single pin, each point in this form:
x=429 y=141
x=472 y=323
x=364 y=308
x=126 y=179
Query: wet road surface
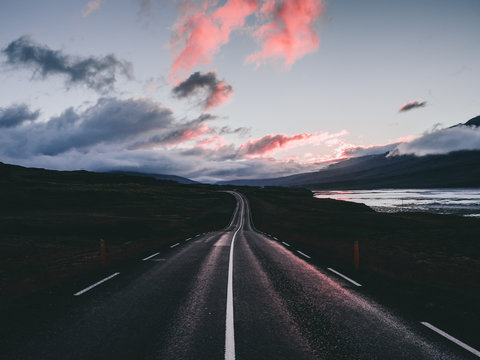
x=204 y=299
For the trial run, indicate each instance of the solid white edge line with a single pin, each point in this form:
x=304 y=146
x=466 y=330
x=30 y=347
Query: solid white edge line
x=301 y=253
x=229 y=329
x=174 y=245
x=451 y=338
x=151 y=256
x=345 y=277
x=284 y=243
x=96 y=284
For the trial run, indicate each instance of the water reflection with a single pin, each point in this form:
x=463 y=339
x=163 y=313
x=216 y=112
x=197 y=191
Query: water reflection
x=443 y=201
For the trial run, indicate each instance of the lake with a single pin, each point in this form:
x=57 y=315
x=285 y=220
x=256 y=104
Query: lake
x=441 y=201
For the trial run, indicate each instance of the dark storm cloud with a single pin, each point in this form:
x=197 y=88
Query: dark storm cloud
x=412 y=105
x=109 y=121
x=212 y=91
x=99 y=74
x=16 y=115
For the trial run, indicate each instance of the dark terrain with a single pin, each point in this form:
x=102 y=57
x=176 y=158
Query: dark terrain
x=426 y=264
x=51 y=222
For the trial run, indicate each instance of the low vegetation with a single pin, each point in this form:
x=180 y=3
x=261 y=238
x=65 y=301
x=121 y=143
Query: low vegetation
x=51 y=222
x=427 y=263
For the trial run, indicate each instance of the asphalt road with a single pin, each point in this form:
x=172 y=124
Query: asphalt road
x=230 y=294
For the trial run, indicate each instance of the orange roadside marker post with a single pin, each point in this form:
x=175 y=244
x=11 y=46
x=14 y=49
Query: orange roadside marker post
x=356 y=255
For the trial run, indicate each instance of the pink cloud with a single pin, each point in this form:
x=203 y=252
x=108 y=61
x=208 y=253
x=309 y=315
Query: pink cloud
x=207 y=87
x=271 y=143
x=199 y=33
x=220 y=95
x=290 y=34
x=216 y=142
x=415 y=104
x=91 y=7
x=191 y=134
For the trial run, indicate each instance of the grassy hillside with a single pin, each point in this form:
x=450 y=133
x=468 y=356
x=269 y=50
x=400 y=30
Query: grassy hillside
x=426 y=263
x=51 y=222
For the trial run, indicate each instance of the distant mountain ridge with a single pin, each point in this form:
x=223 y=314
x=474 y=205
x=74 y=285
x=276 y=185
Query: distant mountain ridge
x=179 y=179
x=15 y=171
x=472 y=122
x=456 y=169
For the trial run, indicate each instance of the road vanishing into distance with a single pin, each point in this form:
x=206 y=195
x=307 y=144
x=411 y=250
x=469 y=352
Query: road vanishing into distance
x=231 y=294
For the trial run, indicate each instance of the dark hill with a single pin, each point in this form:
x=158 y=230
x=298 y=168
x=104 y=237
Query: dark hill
x=457 y=169
x=179 y=179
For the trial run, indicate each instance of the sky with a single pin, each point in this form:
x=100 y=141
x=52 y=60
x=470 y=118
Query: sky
x=216 y=90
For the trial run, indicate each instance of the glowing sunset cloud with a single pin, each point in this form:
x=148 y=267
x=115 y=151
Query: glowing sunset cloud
x=412 y=105
x=271 y=143
x=290 y=34
x=91 y=7
x=213 y=143
x=199 y=34
x=206 y=85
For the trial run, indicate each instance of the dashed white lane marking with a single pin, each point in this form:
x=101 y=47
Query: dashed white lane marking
x=229 y=329
x=151 y=256
x=96 y=284
x=451 y=338
x=275 y=238
x=301 y=253
x=345 y=277
x=284 y=243
x=188 y=239
x=174 y=245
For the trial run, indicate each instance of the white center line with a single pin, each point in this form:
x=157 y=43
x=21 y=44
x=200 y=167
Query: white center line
x=301 y=253
x=229 y=329
x=96 y=284
x=345 y=277
x=174 y=245
x=451 y=338
x=284 y=243
x=151 y=256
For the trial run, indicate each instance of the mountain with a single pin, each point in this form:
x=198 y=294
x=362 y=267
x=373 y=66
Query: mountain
x=15 y=172
x=474 y=122
x=456 y=169
x=178 y=179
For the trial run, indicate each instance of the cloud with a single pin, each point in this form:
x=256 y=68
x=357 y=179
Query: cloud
x=206 y=85
x=290 y=33
x=271 y=143
x=109 y=121
x=357 y=151
x=133 y=134
x=180 y=133
x=16 y=115
x=240 y=131
x=96 y=73
x=200 y=32
x=441 y=141
x=412 y=105
x=142 y=135
x=91 y=7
